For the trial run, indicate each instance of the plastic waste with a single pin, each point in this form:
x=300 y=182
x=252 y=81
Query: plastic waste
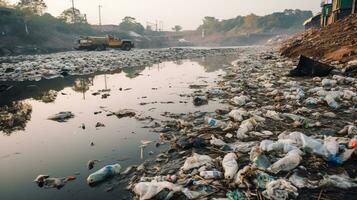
x=148 y=190
x=230 y=165
x=239 y=178
x=215 y=123
x=169 y=178
x=236 y=115
x=280 y=190
x=330 y=100
x=262 y=179
x=273 y=115
x=235 y=195
x=61 y=116
x=200 y=100
x=353 y=143
x=341 y=181
x=91 y=163
x=240 y=101
x=211 y=174
x=328 y=82
x=196 y=161
x=246 y=126
x=47 y=182
x=287 y=163
x=261 y=162
x=302 y=182
x=104 y=173
x=349 y=130
x=217 y=142
x=193 y=194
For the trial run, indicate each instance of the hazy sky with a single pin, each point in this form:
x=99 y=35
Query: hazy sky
x=187 y=13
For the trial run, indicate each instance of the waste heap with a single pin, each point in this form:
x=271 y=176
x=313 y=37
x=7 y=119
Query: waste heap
x=277 y=137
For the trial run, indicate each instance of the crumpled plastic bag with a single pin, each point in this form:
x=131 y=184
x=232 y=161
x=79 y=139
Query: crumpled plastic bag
x=230 y=165
x=303 y=182
x=246 y=126
x=287 y=163
x=148 y=190
x=280 y=190
x=196 y=161
x=240 y=101
x=339 y=181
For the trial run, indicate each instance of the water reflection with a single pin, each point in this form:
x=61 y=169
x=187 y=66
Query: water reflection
x=15 y=114
x=14 y=117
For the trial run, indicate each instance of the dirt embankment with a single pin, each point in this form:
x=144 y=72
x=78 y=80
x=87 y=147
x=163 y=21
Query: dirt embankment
x=334 y=42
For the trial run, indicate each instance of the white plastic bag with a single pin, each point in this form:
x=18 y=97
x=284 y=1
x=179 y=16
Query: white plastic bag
x=148 y=190
x=230 y=165
x=196 y=161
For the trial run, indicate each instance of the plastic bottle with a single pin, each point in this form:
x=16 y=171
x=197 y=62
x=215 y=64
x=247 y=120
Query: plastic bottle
x=215 y=123
x=230 y=165
x=168 y=178
x=211 y=174
x=104 y=173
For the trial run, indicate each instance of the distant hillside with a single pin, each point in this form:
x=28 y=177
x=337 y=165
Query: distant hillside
x=250 y=29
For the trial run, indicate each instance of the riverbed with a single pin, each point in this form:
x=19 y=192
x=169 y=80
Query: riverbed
x=35 y=145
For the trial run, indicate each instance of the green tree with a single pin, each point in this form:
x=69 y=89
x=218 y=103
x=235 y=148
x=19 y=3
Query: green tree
x=69 y=16
x=36 y=7
x=177 y=28
x=130 y=24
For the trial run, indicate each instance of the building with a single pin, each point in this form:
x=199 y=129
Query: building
x=342 y=9
x=326 y=11
x=313 y=22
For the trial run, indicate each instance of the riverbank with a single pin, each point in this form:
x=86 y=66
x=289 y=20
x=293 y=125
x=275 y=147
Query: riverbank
x=279 y=137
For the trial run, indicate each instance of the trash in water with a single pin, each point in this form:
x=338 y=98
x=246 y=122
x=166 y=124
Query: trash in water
x=148 y=190
x=196 y=161
x=200 y=100
x=91 y=163
x=61 y=116
x=104 y=173
x=47 y=182
x=125 y=113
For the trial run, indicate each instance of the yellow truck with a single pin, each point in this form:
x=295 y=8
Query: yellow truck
x=92 y=43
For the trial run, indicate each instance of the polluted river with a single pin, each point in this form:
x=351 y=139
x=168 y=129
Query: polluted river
x=181 y=123
x=34 y=145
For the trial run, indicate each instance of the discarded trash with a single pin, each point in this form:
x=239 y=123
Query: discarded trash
x=125 y=113
x=104 y=173
x=262 y=179
x=246 y=126
x=211 y=174
x=309 y=67
x=147 y=190
x=200 y=100
x=289 y=162
x=169 y=178
x=230 y=165
x=215 y=123
x=235 y=195
x=240 y=101
x=47 y=182
x=196 y=161
x=338 y=181
x=91 y=163
x=280 y=190
x=61 y=116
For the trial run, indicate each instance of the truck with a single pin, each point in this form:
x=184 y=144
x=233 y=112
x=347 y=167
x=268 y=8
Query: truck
x=92 y=43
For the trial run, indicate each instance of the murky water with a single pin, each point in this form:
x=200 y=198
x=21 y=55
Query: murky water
x=35 y=145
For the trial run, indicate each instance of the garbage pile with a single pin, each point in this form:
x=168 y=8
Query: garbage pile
x=276 y=137
x=49 y=66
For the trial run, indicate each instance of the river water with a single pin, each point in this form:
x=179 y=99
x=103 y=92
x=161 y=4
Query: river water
x=36 y=145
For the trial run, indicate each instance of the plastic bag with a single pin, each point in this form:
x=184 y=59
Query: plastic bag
x=240 y=101
x=196 y=161
x=246 y=126
x=236 y=115
x=230 y=166
x=287 y=163
x=148 y=190
x=280 y=190
x=217 y=142
x=339 y=181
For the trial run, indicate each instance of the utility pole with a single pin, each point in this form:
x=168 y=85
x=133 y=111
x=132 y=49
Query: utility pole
x=100 y=17
x=74 y=13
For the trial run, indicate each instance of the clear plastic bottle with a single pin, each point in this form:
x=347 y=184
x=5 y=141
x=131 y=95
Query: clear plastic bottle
x=104 y=173
x=211 y=174
x=215 y=123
